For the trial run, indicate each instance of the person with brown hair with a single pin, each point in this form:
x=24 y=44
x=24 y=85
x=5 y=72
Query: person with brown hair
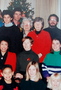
x=25 y=57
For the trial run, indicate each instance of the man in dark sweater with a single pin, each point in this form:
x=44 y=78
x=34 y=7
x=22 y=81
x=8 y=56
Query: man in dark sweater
x=25 y=57
x=52 y=29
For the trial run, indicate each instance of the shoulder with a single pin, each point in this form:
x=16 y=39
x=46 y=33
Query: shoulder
x=33 y=53
x=11 y=53
x=45 y=32
x=31 y=32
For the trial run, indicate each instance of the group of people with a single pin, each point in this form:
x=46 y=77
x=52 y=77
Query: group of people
x=29 y=54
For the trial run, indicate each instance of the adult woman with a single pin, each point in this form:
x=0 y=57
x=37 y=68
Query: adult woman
x=25 y=57
x=42 y=40
x=6 y=57
x=26 y=25
x=33 y=78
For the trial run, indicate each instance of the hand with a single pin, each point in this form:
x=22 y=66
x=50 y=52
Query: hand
x=18 y=75
x=48 y=78
x=40 y=55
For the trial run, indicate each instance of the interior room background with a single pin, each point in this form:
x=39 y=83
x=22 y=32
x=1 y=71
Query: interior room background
x=42 y=8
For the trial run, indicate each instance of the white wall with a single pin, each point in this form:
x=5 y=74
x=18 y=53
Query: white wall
x=4 y=4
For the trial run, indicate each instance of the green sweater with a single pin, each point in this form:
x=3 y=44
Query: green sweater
x=52 y=64
x=53 y=59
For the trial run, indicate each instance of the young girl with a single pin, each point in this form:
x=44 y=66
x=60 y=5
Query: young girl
x=52 y=60
x=54 y=82
x=33 y=78
x=6 y=83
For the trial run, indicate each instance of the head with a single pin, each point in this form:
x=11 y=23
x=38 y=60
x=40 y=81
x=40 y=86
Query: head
x=53 y=20
x=4 y=44
x=38 y=23
x=54 y=81
x=17 y=14
x=56 y=45
x=7 y=72
x=7 y=16
x=27 y=43
x=32 y=71
x=26 y=24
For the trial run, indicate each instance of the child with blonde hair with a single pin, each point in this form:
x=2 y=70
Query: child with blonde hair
x=33 y=79
x=54 y=82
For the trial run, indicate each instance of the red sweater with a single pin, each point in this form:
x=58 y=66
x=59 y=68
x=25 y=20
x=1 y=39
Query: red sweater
x=11 y=59
x=42 y=43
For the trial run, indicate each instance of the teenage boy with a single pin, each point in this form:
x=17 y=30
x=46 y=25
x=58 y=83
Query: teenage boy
x=11 y=31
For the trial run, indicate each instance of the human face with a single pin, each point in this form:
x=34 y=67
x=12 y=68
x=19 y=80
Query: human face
x=7 y=74
x=27 y=45
x=53 y=21
x=26 y=25
x=32 y=71
x=38 y=25
x=17 y=15
x=55 y=83
x=3 y=46
x=7 y=19
x=56 y=45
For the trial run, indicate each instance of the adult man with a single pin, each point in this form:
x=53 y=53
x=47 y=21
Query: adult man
x=17 y=16
x=52 y=29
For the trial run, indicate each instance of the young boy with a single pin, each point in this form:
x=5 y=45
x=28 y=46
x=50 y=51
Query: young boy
x=11 y=31
x=7 y=82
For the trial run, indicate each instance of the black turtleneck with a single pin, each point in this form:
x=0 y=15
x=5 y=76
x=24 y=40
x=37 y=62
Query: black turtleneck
x=24 y=58
x=37 y=32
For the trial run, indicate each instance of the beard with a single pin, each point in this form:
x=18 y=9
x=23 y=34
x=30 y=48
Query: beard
x=52 y=25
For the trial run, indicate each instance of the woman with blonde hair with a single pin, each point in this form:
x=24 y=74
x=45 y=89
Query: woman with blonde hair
x=33 y=79
x=54 y=82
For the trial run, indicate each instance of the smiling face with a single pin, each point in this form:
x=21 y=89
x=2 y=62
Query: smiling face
x=56 y=45
x=32 y=71
x=26 y=25
x=7 y=19
x=27 y=45
x=53 y=21
x=55 y=83
x=3 y=46
x=38 y=25
x=7 y=74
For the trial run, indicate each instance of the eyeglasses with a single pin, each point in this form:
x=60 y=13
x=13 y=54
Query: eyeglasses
x=53 y=20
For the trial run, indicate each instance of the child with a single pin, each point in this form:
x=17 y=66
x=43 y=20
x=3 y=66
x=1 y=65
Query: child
x=25 y=57
x=54 y=82
x=52 y=60
x=33 y=79
x=6 y=83
x=11 y=31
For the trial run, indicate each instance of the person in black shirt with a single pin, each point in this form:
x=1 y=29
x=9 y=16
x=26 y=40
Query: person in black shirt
x=25 y=57
x=7 y=83
x=33 y=79
x=54 y=31
x=11 y=31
